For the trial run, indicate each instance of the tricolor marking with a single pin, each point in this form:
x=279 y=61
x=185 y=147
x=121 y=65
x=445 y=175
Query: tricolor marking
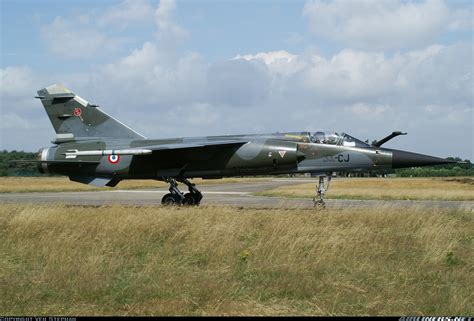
x=113 y=158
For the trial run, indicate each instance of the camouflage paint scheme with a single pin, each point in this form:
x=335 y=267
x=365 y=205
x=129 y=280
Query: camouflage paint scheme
x=84 y=128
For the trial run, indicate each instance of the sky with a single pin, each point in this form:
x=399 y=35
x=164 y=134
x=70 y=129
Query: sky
x=194 y=68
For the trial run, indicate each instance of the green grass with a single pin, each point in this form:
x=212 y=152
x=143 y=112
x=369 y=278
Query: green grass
x=74 y=260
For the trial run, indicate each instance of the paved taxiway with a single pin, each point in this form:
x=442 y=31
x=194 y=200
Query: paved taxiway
x=232 y=194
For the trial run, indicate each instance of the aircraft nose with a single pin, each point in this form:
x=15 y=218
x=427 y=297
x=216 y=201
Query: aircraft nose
x=402 y=159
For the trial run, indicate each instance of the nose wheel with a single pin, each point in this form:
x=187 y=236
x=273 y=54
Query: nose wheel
x=176 y=197
x=321 y=189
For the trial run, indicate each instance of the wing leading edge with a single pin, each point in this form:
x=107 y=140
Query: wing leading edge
x=179 y=146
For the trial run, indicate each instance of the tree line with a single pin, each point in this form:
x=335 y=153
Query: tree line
x=10 y=167
x=463 y=168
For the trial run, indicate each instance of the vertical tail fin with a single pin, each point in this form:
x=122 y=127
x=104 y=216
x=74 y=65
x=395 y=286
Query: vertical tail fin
x=73 y=116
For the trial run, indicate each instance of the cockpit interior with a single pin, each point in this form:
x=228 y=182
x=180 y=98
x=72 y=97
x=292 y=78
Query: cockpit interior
x=333 y=138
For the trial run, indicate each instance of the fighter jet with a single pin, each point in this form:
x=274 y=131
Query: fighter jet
x=92 y=147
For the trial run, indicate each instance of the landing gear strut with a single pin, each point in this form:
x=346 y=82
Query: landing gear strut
x=321 y=189
x=176 y=197
x=194 y=196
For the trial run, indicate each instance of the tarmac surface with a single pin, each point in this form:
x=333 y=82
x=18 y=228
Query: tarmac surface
x=231 y=194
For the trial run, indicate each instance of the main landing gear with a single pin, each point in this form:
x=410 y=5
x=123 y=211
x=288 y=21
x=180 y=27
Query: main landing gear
x=321 y=189
x=176 y=197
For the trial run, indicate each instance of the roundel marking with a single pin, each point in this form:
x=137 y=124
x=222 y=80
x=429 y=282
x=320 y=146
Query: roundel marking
x=113 y=159
x=77 y=112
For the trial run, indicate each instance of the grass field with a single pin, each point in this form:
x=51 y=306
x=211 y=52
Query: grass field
x=64 y=260
x=63 y=184
x=450 y=189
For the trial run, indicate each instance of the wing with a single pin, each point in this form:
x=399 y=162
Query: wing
x=194 y=145
x=177 y=159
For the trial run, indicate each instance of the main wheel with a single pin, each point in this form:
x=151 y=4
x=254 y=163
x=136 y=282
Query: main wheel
x=192 y=199
x=197 y=198
x=189 y=199
x=169 y=199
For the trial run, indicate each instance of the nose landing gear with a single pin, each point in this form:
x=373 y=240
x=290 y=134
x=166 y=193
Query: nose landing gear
x=176 y=197
x=321 y=189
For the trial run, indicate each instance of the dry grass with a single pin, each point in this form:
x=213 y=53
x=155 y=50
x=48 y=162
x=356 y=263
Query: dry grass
x=455 y=189
x=63 y=260
x=63 y=184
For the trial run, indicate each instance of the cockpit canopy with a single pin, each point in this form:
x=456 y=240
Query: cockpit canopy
x=333 y=138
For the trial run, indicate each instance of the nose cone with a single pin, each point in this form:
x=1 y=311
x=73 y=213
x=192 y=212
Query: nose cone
x=402 y=159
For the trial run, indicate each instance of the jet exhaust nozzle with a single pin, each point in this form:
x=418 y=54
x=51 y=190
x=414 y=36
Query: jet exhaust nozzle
x=42 y=156
x=401 y=159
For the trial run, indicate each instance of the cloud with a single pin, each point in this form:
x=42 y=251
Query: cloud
x=13 y=121
x=18 y=86
x=435 y=74
x=269 y=57
x=238 y=82
x=371 y=93
x=151 y=75
x=389 y=24
x=353 y=90
x=23 y=122
x=168 y=30
x=366 y=111
x=163 y=92
x=279 y=62
x=95 y=33
x=126 y=13
x=14 y=80
x=361 y=92
x=21 y=131
x=73 y=39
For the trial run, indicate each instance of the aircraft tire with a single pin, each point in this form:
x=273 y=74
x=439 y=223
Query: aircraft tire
x=319 y=205
x=169 y=199
x=189 y=199
x=197 y=198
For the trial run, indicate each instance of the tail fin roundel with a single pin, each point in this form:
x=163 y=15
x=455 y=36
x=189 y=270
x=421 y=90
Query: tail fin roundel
x=73 y=116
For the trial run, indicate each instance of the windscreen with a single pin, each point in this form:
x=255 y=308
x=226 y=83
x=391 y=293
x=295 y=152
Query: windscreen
x=333 y=138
